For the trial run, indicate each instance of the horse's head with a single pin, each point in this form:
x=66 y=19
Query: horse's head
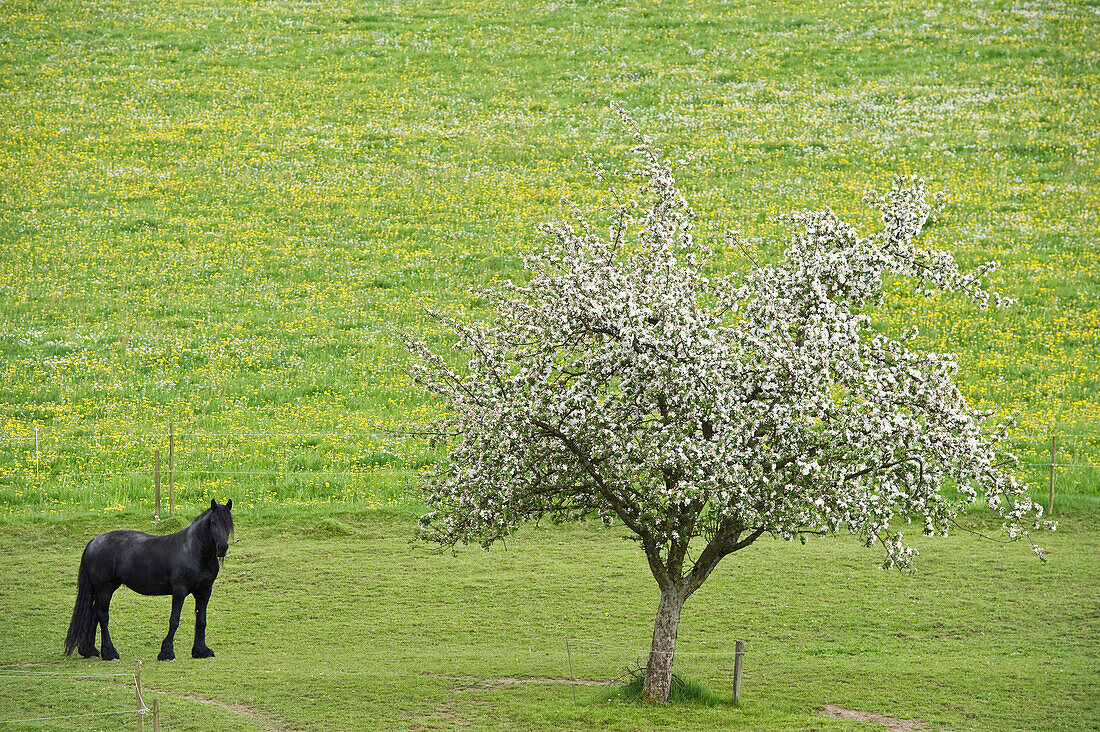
x=221 y=525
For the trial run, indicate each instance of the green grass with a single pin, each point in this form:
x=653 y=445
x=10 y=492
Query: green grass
x=219 y=215
x=684 y=692
x=326 y=620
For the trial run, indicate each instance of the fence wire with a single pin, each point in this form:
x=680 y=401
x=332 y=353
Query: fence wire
x=113 y=470
x=37 y=677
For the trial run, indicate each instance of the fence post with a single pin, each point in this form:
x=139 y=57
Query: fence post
x=140 y=702
x=572 y=684
x=156 y=715
x=738 y=653
x=156 y=482
x=171 y=468
x=1053 y=451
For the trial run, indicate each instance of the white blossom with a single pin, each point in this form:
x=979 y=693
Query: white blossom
x=622 y=381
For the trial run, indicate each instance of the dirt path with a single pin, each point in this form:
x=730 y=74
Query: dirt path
x=269 y=722
x=892 y=723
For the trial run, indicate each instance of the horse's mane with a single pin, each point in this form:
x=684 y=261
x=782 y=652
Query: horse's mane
x=208 y=514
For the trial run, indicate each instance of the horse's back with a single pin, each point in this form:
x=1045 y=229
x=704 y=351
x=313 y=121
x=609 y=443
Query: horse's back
x=114 y=544
x=138 y=560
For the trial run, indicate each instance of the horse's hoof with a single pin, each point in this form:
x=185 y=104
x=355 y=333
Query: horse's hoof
x=162 y=656
x=94 y=653
x=202 y=653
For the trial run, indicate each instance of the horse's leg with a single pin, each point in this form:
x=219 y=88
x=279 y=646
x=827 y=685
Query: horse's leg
x=103 y=615
x=200 y=649
x=167 y=648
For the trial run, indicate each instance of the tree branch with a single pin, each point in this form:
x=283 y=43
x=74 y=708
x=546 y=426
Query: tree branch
x=617 y=505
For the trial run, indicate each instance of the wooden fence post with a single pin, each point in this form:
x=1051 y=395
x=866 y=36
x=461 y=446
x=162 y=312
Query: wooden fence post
x=738 y=653
x=171 y=468
x=156 y=715
x=140 y=702
x=1053 y=452
x=572 y=685
x=156 y=482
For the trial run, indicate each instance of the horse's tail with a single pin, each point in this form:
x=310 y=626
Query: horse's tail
x=82 y=627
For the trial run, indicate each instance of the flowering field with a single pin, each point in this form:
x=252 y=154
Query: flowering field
x=217 y=216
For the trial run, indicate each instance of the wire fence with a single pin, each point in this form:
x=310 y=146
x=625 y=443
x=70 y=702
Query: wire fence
x=604 y=660
x=376 y=463
x=719 y=661
x=46 y=455
x=116 y=470
x=36 y=678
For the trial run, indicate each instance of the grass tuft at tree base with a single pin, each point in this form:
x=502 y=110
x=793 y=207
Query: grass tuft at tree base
x=686 y=692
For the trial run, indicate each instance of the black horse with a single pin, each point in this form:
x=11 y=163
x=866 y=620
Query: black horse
x=180 y=564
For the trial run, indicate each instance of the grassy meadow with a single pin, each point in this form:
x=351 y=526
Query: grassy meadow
x=217 y=215
x=215 y=218
x=330 y=621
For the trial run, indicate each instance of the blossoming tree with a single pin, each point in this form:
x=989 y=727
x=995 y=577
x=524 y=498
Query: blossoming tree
x=623 y=381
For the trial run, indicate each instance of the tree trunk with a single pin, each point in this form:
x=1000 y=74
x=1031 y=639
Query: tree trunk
x=658 y=672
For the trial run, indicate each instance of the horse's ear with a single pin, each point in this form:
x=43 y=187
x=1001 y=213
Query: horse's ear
x=213 y=504
x=229 y=504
